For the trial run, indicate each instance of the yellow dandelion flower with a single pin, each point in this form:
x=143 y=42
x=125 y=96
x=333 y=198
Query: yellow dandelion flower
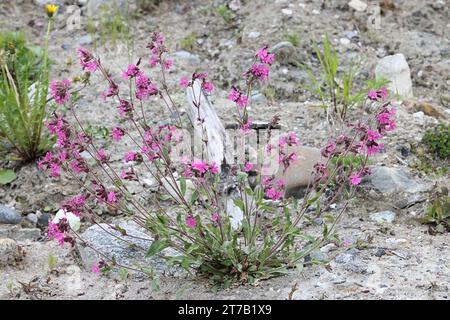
x=51 y=10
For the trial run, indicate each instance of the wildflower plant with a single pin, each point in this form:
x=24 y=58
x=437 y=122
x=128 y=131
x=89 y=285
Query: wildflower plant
x=267 y=237
x=23 y=95
x=336 y=91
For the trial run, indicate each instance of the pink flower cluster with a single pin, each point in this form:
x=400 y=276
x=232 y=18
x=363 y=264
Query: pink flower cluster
x=199 y=169
x=59 y=91
x=260 y=70
x=274 y=189
x=378 y=95
x=284 y=157
x=144 y=87
x=87 y=60
x=157 y=49
x=238 y=97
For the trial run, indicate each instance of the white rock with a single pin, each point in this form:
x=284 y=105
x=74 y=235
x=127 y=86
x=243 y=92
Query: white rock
x=254 y=34
x=287 y=12
x=396 y=70
x=316 y=11
x=418 y=115
x=358 y=5
x=344 y=41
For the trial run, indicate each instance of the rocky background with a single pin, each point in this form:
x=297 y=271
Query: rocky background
x=389 y=253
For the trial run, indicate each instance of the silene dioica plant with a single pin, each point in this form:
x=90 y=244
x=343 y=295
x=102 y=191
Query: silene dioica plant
x=269 y=237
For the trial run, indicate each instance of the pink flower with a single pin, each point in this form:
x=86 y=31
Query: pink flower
x=184 y=82
x=329 y=149
x=112 y=198
x=101 y=155
x=74 y=166
x=234 y=94
x=213 y=168
x=260 y=71
x=55 y=170
x=60 y=91
x=168 y=64
x=87 y=60
x=54 y=233
x=248 y=166
x=191 y=222
x=131 y=72
x=215 y=217
x=382 y=93
x=199 y=166
x=130 y=156
x=117 y=133
x=355 y=178
x=373 y=135
x=95 y=269
x=372 y=95
x=153 y=60
x=281 y=184
x=273 y=194
x=265 y=57
x=208 y=86
x=238 y=97
x=144 y=87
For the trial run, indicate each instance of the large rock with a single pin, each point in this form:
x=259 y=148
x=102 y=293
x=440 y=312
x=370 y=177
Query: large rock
x=284 y=51
x=9 y=216
x=298 y=174
x=396 y=70
x=9 y=252
x=125 y=253
x=19 y=234
x=187 y=57
x=388 y=180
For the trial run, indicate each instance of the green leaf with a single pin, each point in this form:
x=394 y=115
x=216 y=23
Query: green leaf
x=183 y=186
x=156 y=247
x=7 y=176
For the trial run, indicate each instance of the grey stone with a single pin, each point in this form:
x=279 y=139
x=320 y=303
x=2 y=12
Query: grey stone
x=388 y=180
x=30 y=221
x=9 y=252
x=383 y=217
x=320 y=256
x=337 y=279
x=259 y=97
x=9 y=216
x=85 y=40
x=188 y=57
x=351 y=261
x=351 y=34
x=328 y=248
x=19 y=234
x=396 y=70
x=380 y=252
x=284 y=51
x=130 y=253
x=43 y=219
x=226 y=43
